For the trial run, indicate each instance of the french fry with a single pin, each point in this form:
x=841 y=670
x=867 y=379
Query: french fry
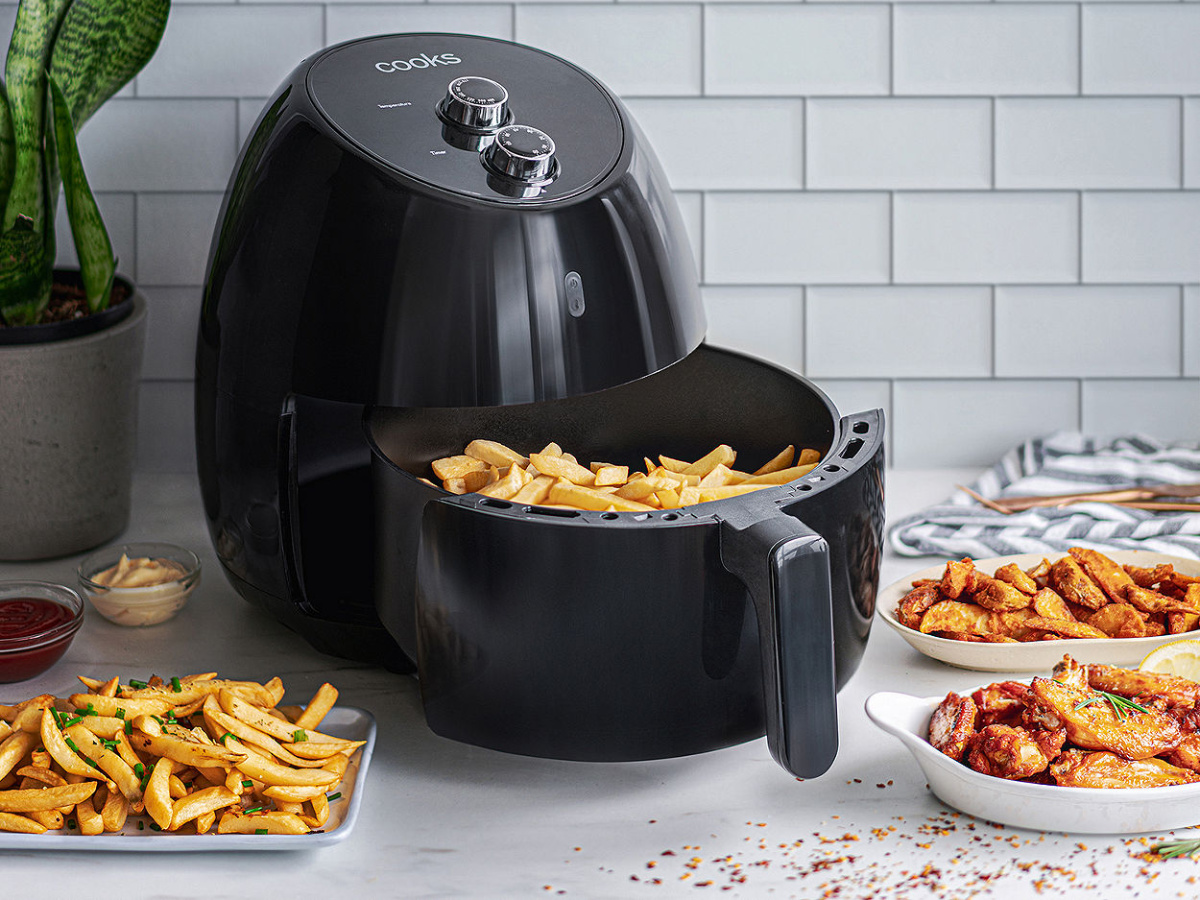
x=206 y=800
x=120 y=707
x=158 y=792
x=561 y=467
x=56 y=744
x=13 y=750
x=120 y=772
x=587 y=498
x=781 y=476
x=35 y=799
x=13 y=822
x=90 y=821
x=457 y=466
x=611 y=475
x=115 y=811
x=495 y=453
x=722 y=454
x=261 y=823
x=185 y=752
x=780 y=461
x=535 y=491
x=318 y=707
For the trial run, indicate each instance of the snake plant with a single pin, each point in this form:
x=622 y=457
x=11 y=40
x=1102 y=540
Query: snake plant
x=66 y=58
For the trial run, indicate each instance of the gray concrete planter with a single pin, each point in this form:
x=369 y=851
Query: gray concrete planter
x=68 y=436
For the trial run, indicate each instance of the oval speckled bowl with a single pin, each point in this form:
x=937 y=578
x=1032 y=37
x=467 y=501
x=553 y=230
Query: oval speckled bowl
x=1035 y=656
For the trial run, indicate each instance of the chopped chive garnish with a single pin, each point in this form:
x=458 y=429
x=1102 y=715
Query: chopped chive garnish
x=129 y=728
x=91 y=762
x=298 y=735
x=139 y=770
x=334 y=796
x=120 y=713
x=111 y=745
x=221 y=739
x=175 y=685
x=254 y=809
x=154 y=826
x=158 y=720
x=137 y=685
x=71 y=744
x=260 y=831
x=247 y=783
x=70 y=823
x=1120 y=705
x=74 y=721
x=141 y=825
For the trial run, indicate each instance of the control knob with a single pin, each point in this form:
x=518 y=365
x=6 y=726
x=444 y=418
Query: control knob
x=475 y=104
x=522 y=153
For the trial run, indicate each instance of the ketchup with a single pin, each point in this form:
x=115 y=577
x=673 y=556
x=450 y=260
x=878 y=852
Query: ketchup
x=38 y=624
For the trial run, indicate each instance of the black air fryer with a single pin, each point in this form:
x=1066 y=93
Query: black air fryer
x=432 y=238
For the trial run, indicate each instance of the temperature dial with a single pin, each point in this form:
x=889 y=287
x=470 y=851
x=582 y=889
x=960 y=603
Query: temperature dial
x=522 y=153
x=475 y=104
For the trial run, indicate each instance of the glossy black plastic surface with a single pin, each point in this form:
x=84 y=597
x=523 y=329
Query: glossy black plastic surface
x=383 y=94
x=338 y=279
x=603 y=636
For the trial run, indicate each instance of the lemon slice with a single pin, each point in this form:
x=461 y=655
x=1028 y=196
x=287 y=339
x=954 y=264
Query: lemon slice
x=1180 y=658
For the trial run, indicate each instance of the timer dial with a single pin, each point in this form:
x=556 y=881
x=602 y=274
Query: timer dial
x=475 y=104
x=522 y=153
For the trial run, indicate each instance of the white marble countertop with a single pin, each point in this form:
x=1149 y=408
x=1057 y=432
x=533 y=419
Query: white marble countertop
x=441 y=819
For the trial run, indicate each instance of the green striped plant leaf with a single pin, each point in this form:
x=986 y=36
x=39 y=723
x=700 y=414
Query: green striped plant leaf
x=92 y=245
x=26 y=272
x=102 y=44
x=7 y=151
x=25 y=78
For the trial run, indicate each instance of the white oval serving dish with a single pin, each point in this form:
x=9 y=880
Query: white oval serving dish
x=1035 y=656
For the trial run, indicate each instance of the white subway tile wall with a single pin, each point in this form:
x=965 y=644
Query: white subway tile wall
x=981 y=217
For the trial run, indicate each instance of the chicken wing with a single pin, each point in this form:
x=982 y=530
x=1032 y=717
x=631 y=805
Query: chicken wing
x=1072 y=584
x=1070 y=672
x=1187 y=754
x=914 y=604
x=952 y=725
x=1001 y=703
x=1078 y=768
x=1007 y=752
x=1093 y=723
x=1106 y=573
x=1133 y=683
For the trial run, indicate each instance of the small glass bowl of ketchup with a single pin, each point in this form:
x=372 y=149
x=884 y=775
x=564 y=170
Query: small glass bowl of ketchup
x=38 y=621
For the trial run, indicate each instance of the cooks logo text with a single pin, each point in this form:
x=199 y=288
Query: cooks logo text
x=424 y=61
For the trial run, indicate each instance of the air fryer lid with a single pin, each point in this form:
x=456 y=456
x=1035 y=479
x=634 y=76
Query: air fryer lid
x=381 y=94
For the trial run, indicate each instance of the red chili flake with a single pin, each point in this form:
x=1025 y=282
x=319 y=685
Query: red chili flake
x=667 y=853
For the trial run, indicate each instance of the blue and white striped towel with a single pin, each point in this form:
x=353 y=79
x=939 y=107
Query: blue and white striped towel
x=1062 y=463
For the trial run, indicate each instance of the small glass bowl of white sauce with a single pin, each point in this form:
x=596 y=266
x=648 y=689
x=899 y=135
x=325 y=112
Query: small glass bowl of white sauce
x=140 y=583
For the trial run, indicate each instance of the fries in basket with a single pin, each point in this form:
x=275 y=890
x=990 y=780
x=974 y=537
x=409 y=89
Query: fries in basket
x=188 y=754
x=554 y=478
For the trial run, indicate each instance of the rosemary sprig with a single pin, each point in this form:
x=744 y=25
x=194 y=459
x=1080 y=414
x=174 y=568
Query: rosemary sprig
x=1172 y=849
x=1120 y=705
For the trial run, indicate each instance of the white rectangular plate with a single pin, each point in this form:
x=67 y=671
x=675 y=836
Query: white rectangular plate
x=348 y=722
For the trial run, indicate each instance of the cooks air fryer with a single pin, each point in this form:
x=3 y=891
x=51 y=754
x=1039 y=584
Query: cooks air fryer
x=432 y=238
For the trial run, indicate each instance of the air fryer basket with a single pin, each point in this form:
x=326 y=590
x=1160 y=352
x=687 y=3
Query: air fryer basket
x=648 y=646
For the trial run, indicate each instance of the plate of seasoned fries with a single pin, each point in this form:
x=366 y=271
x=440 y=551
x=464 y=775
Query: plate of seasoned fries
x=185 y=764
x=555 y=478
x=1018 y=613
x=1090 y=748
